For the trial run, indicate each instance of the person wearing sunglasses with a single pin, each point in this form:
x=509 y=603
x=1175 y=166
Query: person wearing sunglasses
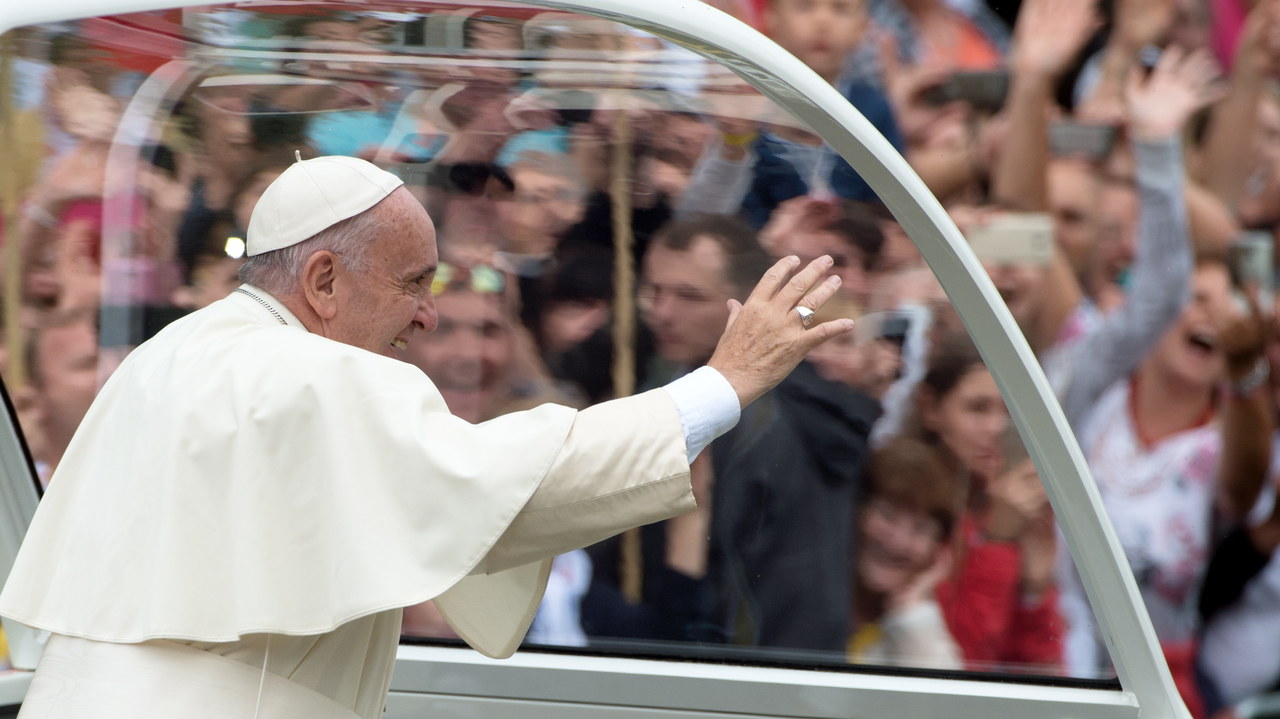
x=479 y=356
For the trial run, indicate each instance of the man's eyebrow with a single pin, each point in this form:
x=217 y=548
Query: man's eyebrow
x=414 y=274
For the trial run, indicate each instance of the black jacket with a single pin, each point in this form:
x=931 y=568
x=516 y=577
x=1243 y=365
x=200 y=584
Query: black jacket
x=779 y=557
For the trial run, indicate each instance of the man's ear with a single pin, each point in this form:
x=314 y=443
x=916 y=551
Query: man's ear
x=321 y=283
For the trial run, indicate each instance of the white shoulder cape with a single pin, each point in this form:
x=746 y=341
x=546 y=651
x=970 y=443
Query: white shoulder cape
x=238 y=476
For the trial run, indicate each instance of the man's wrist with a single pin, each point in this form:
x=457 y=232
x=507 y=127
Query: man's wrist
x=708 y=406
x=1154 y=132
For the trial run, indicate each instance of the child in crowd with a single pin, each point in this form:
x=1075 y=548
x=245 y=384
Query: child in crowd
x=901 y=553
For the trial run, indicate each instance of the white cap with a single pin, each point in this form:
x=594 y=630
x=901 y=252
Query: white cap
x=313 y=195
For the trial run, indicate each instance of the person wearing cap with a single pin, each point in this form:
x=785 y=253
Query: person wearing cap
x=260 y=488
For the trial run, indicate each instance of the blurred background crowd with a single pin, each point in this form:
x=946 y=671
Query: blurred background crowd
x=599 y=194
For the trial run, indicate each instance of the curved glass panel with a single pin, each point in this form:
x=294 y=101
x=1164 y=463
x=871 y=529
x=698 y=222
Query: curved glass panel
x=599 y=194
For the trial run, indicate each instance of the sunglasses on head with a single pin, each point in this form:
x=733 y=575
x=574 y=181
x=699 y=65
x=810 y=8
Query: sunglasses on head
x=479 y=278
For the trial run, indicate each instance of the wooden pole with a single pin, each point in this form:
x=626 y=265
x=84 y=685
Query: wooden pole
x=624 y=319
x=15 y=370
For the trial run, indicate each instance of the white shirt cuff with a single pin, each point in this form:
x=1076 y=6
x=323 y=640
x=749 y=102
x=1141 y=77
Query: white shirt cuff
x=708 y=407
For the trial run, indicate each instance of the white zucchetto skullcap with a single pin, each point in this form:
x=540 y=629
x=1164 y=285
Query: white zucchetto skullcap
x=313 y=195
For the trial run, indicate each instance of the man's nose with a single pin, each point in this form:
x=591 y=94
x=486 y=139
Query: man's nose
x=467 y=342
x=663 y=307
x=427 y=317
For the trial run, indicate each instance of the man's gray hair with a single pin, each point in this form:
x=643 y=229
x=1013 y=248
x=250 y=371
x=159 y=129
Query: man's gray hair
x=280 y=271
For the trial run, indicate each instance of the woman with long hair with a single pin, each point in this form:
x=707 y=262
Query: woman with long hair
x=1000 y=600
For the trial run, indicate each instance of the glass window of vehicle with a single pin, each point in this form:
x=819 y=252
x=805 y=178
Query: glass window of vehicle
x=600 y=194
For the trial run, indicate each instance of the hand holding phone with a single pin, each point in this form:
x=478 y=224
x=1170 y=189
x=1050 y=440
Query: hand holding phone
x=1090 y=141
x=985 y=90
x=1251 y=258
x=1013 y=238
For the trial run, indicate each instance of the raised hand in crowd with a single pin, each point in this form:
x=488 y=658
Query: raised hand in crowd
x=908 y=88
x=479 y=112
x=1243 y=339
x=1233 y=168
x=937 y=137
x=1180 y=84
x=1047 y=38
x=1258 y=51
x=1049 y=35
x=1017 y=498
x=798 y=214
x=1137 y=24
x=1248 y=415
x=1020 y=512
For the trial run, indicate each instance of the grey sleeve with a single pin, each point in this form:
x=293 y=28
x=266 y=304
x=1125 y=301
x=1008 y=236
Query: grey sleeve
x=717 y=185
x=1161 y=283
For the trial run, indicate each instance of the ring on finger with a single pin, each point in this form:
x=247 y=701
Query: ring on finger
x=806 y=316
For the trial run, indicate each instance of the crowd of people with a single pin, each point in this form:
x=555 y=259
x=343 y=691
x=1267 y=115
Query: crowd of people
x=600 y=196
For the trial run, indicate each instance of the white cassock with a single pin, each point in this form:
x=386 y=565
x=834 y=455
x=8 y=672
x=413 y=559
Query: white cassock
x=247 y=503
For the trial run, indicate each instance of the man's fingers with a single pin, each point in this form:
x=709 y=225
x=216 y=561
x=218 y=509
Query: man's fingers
x=799 y=285
x=734 y=308
x=820 y=294
x=818 y=334
x=768 y=285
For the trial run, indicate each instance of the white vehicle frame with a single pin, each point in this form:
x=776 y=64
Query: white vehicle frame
x=441 y=681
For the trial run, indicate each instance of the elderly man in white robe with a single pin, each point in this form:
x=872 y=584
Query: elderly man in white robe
x=258 y=490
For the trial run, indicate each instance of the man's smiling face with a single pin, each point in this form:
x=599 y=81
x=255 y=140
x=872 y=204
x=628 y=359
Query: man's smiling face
x=391 y=298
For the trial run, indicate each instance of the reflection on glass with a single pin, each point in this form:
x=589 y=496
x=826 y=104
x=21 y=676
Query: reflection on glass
x=871 y=510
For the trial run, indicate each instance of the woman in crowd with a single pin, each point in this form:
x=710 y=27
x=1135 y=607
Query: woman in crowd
x=1154 y=447
x=1000 y=601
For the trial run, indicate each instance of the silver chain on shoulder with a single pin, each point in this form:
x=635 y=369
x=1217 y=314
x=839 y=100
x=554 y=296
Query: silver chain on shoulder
x=264 y=303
